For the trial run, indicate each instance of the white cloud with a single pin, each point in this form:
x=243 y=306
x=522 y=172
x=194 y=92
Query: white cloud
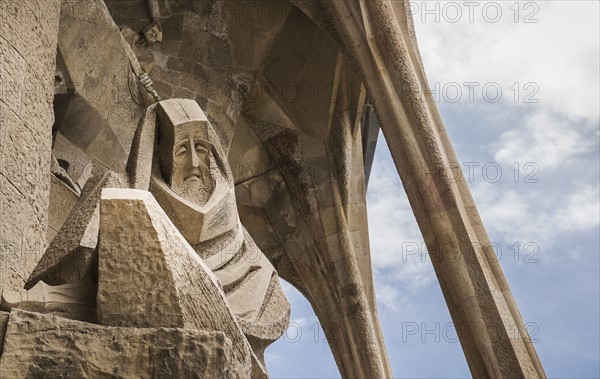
x=541 y=216
x=512 y=216
x=391 y=221
x=388 y=295
x=549 y=141
x=559 y=53
x=581 y=211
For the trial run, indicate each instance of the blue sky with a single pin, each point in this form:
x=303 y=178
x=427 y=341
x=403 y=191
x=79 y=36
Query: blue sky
x=532 y=160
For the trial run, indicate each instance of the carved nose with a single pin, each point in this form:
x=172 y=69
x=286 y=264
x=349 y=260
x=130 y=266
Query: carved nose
x=194 y=155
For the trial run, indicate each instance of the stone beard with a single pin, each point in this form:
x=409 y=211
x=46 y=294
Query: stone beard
x=197 y=184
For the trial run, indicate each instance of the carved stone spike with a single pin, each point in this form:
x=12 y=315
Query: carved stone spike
x=70 y=255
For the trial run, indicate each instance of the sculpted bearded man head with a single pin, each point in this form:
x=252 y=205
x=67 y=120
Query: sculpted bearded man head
x=191 y=179
x=186 y=159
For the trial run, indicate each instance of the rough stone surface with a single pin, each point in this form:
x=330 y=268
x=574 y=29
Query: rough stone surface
x=148 y=275
x=28 y=35
x=42 y=346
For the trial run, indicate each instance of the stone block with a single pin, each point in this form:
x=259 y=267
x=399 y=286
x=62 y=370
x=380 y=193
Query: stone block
x=21 y=158
x=110 y=105
x=149 y=276
x=44 y=346
x=78 y=162
x=247 y=156
x=76 y=301
x=82 y=123
x=20 y=232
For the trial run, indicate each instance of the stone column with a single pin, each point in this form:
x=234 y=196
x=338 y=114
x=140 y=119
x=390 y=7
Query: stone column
x=28 y=37
x=379 y=37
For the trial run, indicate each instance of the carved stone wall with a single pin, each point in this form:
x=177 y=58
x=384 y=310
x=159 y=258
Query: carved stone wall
x=200 y=57
x=28 y=34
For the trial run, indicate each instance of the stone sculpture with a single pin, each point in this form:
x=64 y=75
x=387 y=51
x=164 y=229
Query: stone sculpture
x=188 y=174
x=154 y=295
x=291 y=99
x=193 y=183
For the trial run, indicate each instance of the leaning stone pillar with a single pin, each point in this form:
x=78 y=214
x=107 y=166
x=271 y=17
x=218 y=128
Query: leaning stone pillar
x=379 y=38
x=28 y=37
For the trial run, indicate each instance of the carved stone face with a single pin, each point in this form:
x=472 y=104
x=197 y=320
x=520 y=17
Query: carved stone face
x=153 y=33
x=190 y=169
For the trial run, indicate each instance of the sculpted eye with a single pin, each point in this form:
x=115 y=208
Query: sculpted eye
x=181 y=151
x=201 y=149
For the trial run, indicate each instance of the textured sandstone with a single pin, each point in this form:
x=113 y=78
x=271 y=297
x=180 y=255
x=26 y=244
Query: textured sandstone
x=28 y=35
x=42 y=346
x=148 y=275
